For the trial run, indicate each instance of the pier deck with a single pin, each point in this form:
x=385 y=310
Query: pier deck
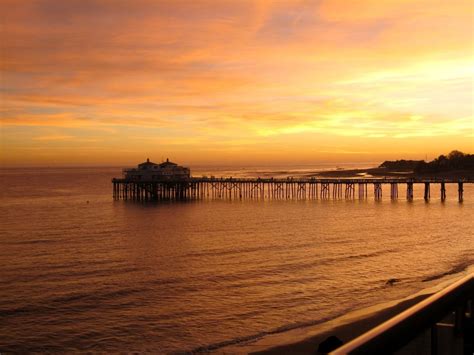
x=271 y=188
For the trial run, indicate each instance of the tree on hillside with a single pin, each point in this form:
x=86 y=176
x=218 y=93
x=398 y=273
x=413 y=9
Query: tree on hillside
x=455 y=160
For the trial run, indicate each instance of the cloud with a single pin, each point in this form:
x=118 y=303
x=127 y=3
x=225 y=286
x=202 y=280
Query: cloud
x=232 y=72
x=54 y=138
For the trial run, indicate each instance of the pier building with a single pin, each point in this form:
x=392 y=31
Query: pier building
x=149 y=171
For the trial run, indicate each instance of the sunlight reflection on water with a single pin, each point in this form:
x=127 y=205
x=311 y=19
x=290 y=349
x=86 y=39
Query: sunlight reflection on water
x=113 y=275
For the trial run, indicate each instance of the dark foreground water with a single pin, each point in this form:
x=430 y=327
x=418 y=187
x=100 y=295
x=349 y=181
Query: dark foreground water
x=110 y=275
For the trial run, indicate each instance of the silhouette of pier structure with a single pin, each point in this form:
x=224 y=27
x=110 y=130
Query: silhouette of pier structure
x=200 y=188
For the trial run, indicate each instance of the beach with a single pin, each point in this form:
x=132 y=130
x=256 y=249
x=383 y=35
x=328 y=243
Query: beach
x=346 y=328
x=345 y=332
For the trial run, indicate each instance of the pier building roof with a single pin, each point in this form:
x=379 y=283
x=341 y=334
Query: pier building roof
x=149 y=163
x=149 y=171
x=168 y=163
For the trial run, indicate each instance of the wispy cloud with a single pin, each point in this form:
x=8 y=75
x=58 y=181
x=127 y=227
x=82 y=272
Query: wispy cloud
x=236 y=75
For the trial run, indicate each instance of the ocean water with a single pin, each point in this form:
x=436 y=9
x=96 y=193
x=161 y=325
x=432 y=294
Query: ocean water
x=80 y=271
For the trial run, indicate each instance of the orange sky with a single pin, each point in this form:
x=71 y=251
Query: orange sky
x=234 y=81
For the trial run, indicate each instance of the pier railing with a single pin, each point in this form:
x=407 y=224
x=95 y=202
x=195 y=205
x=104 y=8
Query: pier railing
x=450 y=309
x=272 y=188
x=309 y=180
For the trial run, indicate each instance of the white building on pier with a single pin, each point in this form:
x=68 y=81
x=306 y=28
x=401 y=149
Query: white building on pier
x=149 y=171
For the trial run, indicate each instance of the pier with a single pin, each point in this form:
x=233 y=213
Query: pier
x=201 y=188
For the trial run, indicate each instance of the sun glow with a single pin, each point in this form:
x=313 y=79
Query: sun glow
x=215 y=81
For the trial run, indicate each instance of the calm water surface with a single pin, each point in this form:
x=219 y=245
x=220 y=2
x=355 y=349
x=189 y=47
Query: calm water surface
x=110 y=275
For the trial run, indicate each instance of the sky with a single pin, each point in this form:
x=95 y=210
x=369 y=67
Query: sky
x=111 y=82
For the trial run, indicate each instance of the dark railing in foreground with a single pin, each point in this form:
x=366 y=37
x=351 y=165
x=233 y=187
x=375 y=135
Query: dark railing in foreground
x=403 y=328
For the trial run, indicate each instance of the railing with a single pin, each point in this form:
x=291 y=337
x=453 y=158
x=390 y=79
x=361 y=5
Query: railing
x=401 y=329
x=350 y=180
x=383 y=180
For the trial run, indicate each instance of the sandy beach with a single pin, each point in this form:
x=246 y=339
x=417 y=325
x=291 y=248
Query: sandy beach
x=305 y=340
x=347 y=327
x=345 y=332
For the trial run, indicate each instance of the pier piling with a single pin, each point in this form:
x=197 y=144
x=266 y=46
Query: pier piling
x=427 y=191
x=393 y=190
x=301 y=189
x=443 y=191
x=410 y=191
x=377 y=190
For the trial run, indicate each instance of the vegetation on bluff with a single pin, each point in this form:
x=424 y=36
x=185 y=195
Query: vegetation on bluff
x=455 y=160
x=400 y=165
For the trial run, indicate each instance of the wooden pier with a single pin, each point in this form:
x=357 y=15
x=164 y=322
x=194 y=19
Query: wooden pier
x=196 y=188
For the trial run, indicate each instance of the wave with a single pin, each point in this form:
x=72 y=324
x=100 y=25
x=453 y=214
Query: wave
x=77 y=302
x=456 y=269
x=257 y=336
x=258 y=275
x=34 y=241
x=235 y=251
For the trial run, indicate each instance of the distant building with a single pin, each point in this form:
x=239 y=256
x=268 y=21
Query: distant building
x=149 y=171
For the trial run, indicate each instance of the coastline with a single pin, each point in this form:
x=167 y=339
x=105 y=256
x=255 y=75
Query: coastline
x=344 y=173
x=305 y=340
x=346 y=332
x=381 y=172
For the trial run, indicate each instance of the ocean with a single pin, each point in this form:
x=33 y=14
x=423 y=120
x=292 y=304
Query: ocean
x=81 y=271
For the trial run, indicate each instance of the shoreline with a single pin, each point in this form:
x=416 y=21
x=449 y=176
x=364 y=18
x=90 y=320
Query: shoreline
x=305 y=340
x=381 y=172
x=345 y=332
x=368 y=172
